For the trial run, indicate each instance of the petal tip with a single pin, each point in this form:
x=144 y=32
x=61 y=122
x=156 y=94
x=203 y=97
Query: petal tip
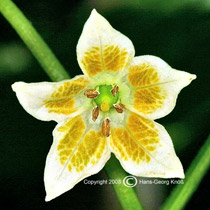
x=186 y=77
x=94 y=13
x=49 y=198
x=16 y=86
x=50 y=194
x=13 y=87
x=96 y=17
x=190 y=78
x=178 y=172
x=182 y=176
x=193 y=76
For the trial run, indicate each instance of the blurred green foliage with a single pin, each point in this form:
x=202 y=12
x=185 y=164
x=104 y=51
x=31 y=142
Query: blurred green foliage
x=178 y=32
x=14 y=59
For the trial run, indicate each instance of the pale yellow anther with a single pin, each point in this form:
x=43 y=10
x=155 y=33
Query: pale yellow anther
x=105 y=106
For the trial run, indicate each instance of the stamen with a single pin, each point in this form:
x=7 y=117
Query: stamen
x=95 y=113
x=106 y=127
x=91 y=93
x=119 y=107
x=115 y=90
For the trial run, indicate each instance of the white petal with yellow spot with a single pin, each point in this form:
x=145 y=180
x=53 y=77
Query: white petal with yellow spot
x=102 y=48
x=79 y=150
x=52 y=100
x=155 y=86
x=144 y=148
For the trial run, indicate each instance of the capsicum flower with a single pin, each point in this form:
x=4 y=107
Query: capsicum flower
x=111 y=108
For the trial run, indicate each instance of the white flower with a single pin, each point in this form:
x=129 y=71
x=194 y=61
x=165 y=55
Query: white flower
x=110 y=108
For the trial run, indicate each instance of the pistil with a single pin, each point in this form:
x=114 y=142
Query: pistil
x=105 y=106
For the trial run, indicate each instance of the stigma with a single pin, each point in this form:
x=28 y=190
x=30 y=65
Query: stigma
x=105 y=106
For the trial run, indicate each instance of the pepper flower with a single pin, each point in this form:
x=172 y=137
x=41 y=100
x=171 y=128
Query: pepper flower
x=111 y=108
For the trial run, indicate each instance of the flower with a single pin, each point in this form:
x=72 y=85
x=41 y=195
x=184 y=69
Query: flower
x=110 y=108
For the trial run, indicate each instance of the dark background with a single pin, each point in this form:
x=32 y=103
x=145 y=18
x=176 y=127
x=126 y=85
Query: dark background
x=179 y=33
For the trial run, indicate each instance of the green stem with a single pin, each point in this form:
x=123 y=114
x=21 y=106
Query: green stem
x=198 y=168
x=32 y=39
x=126 y=195
x=56 y=72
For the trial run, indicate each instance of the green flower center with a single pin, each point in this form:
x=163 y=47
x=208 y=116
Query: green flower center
x=106 y=99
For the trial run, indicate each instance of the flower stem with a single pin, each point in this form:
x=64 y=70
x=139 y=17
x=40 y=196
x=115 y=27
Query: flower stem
x=126 y=195
x=198 y=168
x=32 y=39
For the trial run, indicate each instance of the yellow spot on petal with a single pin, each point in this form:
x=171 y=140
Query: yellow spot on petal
x=136 y=141
x=61 y=106
x=147 y=158
x=124 y=144
x=92 y=61
x=62 y=100
x=148 y=94
x=143 y=75
x=151 y=148
x=73 y=131
x=149 y=99
x=78 y=148
x=89 y=151
x=114 y=58
x=106 y=58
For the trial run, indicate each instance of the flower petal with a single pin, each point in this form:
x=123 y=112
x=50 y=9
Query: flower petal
x=155 y=86
x=101 y=48
x=79 y=150
x=144 y=148
x=51 y=100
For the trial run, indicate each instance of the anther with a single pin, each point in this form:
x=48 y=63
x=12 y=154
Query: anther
x=91 y=93
x=106 y=127
x=115 y=90
x=119 y=107
x=95 y=113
